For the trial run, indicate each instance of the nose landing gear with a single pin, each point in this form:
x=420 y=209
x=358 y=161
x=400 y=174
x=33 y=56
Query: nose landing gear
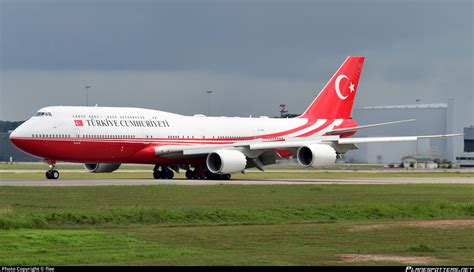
x=52 y=173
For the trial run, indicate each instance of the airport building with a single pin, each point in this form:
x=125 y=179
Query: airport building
x=466 y=159
x=469 y=139
x=431 y=119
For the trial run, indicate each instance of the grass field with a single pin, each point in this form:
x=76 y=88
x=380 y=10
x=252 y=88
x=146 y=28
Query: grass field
x=234 y=225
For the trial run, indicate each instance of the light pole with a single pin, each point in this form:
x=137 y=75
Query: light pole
x=87 y=87
x=417 y=121
x=209 y=102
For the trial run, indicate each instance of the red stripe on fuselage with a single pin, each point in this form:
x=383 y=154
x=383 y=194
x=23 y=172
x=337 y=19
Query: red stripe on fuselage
x=318 y=129
x=309 y=123
x=126 y=150
x=99 y=151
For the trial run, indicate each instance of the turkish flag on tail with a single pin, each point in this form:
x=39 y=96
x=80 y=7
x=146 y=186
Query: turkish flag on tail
x=336 y=98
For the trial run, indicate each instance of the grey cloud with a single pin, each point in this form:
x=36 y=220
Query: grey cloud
x=256 y=54
x=181 y=92
x=262 y=38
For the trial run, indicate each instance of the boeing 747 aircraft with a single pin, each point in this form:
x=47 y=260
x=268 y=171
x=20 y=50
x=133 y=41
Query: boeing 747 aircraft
x=102 y=138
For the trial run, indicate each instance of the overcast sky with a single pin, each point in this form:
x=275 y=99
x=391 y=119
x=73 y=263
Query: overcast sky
x=254 y=55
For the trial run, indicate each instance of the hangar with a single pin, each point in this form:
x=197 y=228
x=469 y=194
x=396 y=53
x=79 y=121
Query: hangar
x=430 y=119
x=466 y=159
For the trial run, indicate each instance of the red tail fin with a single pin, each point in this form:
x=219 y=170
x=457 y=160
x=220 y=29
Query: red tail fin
x=336 y=98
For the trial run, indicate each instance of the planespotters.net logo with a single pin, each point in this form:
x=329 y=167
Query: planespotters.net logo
x=438 y=269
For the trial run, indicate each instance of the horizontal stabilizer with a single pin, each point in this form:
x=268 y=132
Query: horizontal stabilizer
x=351 y=129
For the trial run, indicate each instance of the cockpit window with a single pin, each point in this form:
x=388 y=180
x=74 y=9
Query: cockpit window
x=43 y=114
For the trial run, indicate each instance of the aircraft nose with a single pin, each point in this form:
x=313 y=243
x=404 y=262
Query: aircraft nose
x=14 y=135
x=20 y=138
x=17 y=134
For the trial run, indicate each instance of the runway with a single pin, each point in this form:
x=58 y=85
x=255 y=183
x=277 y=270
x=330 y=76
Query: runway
x=131 y=182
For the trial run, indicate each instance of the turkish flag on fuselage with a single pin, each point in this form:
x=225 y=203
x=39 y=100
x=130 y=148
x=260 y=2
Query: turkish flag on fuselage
x=78 y=123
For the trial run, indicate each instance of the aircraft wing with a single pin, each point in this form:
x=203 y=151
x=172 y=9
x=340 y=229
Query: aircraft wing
x=340 y=144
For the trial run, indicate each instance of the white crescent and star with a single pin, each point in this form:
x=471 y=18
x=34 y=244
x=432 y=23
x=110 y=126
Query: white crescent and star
x=338 y=91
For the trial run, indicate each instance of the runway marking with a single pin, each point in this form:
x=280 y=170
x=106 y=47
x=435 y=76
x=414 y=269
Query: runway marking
x=130 y=182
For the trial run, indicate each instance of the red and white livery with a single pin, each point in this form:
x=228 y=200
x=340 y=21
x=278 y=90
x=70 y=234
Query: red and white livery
x=206 y=147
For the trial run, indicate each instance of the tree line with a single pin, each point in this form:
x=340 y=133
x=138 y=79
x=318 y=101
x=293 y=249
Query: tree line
x=6 y=126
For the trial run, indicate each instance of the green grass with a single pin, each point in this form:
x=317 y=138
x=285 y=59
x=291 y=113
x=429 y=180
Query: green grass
x=230 y=224
x=73 y=247
x=295 y=244
x=421 y=248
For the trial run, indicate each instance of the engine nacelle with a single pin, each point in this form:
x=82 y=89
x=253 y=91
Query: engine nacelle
x=101 y=167
x=226 y=161
x=316 y=155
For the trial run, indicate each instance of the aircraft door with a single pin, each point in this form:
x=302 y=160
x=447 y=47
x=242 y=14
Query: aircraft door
x=77 y=134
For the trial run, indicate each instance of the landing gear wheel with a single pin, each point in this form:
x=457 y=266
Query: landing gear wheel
x=52 y=174
x=164 y=174
x=213 y=176
x=55 y=174
x=209 y=175
x=190 y=174
x=157 y=174
x=169 y=174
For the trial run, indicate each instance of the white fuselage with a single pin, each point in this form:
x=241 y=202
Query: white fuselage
x=112 y=134
x=136 y=123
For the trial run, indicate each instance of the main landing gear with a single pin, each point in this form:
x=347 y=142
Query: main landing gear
x=212 y=176
x=203 y=173
x=199 y=172
x=164 y=173
x=52 y=173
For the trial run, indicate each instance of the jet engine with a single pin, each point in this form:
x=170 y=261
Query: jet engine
x=316 y=155
x=226 y=162
x=101 y=167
